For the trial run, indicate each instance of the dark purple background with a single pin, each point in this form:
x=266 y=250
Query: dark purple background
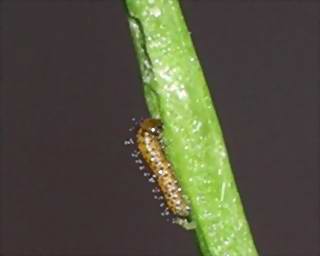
x=70 y=85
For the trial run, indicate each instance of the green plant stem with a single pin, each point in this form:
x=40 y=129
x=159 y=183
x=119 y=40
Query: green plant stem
x=176 y=92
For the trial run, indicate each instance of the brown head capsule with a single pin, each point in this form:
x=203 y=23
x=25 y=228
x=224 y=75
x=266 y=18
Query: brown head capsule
x=151 y=148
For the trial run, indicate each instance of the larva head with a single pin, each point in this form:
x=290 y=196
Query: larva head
x=151 y=125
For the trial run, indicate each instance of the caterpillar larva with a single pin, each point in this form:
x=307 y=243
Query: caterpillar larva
x=151 y=148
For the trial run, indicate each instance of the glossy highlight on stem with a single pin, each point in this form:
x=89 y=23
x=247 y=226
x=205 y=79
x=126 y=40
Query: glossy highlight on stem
x=176 y=93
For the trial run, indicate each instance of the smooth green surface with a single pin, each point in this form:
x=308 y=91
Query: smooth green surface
x=176 y=92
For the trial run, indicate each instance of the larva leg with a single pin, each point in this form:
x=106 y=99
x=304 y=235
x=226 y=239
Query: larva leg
x=183 y=222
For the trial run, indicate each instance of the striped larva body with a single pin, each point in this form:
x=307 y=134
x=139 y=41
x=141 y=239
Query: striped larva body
x=151 y=148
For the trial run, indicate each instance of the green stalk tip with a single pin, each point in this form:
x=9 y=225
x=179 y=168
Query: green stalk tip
x=176 y=92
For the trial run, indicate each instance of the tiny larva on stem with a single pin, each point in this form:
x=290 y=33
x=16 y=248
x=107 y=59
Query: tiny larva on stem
x=151 y=148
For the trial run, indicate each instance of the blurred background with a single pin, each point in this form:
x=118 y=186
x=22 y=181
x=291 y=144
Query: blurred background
x=71 y=84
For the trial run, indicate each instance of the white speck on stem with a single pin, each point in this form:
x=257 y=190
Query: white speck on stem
x=155 y=11
x=223 y=188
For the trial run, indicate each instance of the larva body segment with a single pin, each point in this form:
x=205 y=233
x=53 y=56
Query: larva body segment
x=150 y=146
